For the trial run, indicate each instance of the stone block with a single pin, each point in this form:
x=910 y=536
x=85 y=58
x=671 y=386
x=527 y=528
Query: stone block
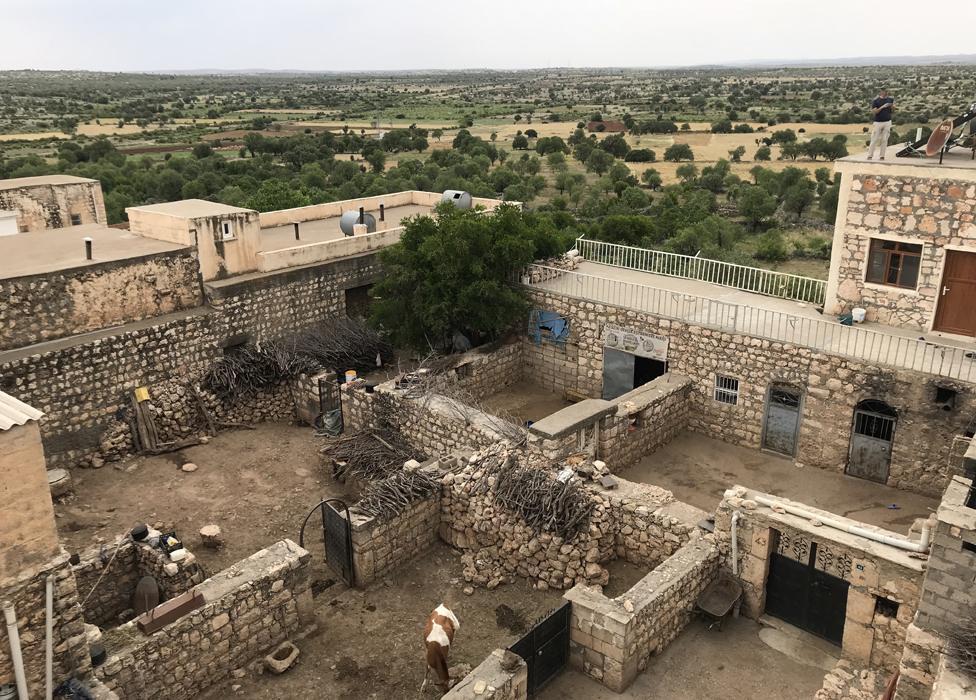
x=858 y=642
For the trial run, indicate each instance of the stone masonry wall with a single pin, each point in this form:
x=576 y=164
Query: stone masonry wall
x=47 y=206
x=251 y=607
x=612 y=640
x=503 y=675
x=645 y=419
x=107 y=600
x=380 y=546
x=28 y=596
x=830 y=388
x=81 y=383
x=58 y=304
x=433 y=425
x=934 y=213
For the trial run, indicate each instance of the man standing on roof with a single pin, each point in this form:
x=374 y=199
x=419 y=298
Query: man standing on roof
x=882 y=106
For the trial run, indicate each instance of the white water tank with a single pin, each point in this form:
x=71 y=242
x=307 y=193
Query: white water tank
x=8 y=223
x=459 y=198
x=351 y=218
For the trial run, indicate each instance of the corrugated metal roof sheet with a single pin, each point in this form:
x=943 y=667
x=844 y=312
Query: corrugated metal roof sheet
x=14 y=412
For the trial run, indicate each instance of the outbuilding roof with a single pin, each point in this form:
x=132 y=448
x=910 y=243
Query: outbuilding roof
x=14 y=412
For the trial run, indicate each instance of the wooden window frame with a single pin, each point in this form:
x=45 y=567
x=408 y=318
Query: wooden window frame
x=898 y=248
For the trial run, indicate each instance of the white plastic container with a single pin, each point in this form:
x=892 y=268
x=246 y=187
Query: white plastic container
x=857 y=313
x=350 y=375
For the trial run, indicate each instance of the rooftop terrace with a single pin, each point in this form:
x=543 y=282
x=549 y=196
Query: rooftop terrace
x=276 y=237
x=688 y=292
x=39 y=252
x=956 y=159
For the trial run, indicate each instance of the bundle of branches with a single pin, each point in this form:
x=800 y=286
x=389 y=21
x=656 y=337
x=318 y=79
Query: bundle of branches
x=962 y=646
x=255 y=367
x=545 y=503
x=368 y=456
x=388 y=498
x=343 y=343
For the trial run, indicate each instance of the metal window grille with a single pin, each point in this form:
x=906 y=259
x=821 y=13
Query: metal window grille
x=726 y=390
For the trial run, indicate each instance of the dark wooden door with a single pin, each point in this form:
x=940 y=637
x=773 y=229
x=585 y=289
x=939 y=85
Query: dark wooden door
x=806 y=597
x=956 y=312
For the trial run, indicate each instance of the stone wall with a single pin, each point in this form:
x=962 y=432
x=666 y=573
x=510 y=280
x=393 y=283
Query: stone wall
x=45 y=205
x=81 y=383
x=76 y=300
x=873 y=634
x=433 y=424
x=107 y=600
x=848 y=682
x=830 y=387
x=947 y=591
x=380 y=546
x=612 y=640
x=28 y=596
x=645 y=419
x=489 y=369
x=934 y=211
x=251 y=607
x=501 y=676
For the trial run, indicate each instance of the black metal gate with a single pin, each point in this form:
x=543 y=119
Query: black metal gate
x=799 y=593
x=545 y=647
x=871 y=437
x=782 y=420
x=337 y=535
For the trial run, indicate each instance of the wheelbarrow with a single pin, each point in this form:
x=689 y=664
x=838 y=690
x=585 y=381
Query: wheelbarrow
x=718 y=599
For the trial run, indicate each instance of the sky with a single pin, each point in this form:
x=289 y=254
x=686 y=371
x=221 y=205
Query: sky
x=135 y=35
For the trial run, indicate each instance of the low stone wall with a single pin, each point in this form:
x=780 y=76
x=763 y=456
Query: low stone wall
x=847 y=682
x=379 y=547
x=28 y=596
x=487 y=370
x=650 y=525
x=251 y=607
x=107 y=599
x=501 y=676
x=612 y=640
x=432 y=425
x=645 y=419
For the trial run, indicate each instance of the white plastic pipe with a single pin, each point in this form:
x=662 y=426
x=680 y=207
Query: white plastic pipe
x=910 y=545
x=49 y=641
x=15 y=656
x=735 y=543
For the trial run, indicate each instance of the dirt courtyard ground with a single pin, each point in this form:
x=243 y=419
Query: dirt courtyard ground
x=257 y=485
x=369 y=643
x=698 y=469
x=703 y=664
x=526 y=401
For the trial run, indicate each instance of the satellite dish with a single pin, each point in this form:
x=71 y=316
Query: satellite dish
x=939 y=137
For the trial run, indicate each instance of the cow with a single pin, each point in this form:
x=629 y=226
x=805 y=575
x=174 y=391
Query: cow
x=438 y=636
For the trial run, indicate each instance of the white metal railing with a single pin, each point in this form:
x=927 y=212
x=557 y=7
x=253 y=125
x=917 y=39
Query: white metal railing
x=815 y=333
x=750 y=279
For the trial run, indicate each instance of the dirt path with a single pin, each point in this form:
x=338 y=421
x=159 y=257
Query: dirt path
x=368 y=643
x=257 y=485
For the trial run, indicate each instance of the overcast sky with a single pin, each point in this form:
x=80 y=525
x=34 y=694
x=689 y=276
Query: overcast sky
x=133 y=35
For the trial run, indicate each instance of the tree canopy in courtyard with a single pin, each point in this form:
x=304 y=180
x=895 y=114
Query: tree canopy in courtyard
x=453 y=273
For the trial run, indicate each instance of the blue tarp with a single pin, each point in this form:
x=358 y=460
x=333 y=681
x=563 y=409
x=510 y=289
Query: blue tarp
x=555 y=326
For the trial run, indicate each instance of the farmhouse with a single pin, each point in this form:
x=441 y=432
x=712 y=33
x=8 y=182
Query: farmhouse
x=665 y=439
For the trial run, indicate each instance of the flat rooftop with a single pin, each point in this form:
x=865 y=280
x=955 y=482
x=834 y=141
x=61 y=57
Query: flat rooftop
x=39 y=252
x=957 y=159
x=768 y=317
x=40 y=180
x=190 y=209
x=327 y=229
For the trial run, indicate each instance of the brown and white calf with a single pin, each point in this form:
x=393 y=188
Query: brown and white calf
x=438 y=636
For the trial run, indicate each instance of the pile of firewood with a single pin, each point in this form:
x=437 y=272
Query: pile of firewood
x=388 y=498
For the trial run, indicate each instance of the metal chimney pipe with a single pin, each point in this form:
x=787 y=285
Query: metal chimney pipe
x=362 y=212
x=88 y=248
x=297 y=236
x=382 y=212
